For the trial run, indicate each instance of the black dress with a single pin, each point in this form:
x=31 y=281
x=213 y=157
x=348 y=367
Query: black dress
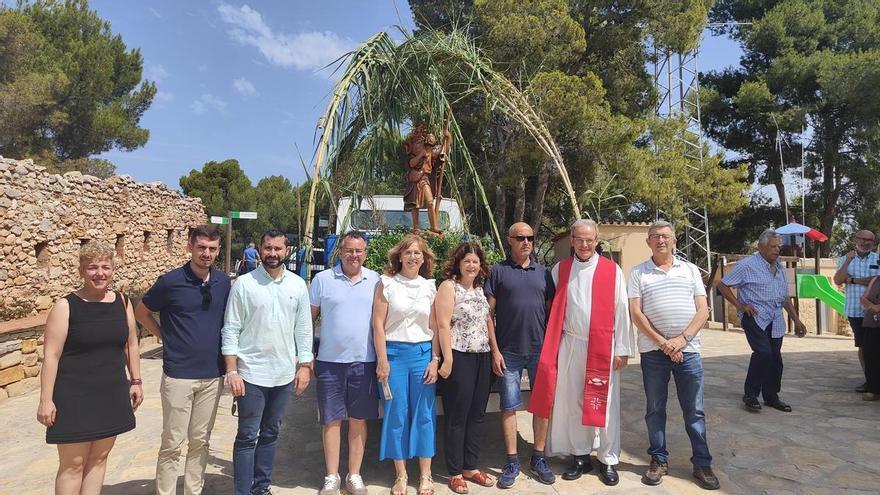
x=91 y=387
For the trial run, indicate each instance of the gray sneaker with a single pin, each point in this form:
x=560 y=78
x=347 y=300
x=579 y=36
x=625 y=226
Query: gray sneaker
x=331 y=485
x=354 y=485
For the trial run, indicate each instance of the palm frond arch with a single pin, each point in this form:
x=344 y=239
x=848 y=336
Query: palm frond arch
x=387 y=86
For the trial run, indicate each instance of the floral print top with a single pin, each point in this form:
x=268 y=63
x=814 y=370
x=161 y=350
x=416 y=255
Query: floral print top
x=469 y=316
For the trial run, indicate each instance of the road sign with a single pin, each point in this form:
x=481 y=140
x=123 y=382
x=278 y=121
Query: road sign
x=247 y=215
x=220 y=220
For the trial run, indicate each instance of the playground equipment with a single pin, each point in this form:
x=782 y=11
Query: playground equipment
x=819 y=287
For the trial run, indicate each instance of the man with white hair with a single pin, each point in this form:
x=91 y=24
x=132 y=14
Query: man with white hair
x=762 y=292
x=588 y=340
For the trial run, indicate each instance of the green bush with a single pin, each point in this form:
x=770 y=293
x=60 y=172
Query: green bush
x=377 y=250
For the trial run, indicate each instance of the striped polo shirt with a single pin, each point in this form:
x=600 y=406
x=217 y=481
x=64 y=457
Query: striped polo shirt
x=859 y=267
x=667 y=299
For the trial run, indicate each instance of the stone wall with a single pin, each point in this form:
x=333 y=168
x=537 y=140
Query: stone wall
x=46 y=218
x=44 y=221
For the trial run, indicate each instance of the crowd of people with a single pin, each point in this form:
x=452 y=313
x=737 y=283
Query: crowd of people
x=399 y=340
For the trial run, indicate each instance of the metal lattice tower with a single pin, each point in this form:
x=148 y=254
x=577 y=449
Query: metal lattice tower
x=676 y=80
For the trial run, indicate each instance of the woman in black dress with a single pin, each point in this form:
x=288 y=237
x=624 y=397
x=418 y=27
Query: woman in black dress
x=86 y=398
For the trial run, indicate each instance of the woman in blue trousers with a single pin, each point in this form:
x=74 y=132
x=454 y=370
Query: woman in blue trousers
x=407 y=359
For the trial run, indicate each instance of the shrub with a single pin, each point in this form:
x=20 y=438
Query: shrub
x=378 y=248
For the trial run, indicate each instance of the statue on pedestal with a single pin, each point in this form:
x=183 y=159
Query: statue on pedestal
x=424 y=168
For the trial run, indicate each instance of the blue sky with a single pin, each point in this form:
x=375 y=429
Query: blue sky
x=244 y=80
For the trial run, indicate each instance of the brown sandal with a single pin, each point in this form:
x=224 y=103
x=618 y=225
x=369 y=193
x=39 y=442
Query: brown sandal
x=426 y=485
x=399 y=487
x=458 y=485
x=481 y=479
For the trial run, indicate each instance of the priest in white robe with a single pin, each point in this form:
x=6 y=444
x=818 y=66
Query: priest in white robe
x=589 y=339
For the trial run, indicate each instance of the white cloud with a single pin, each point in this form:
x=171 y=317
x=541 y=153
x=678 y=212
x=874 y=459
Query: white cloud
x=245 y=87
x=203 y=68
x=207 y=102
x=154 y=12
x=155 y=73
x=308 y=50
x=164 y=97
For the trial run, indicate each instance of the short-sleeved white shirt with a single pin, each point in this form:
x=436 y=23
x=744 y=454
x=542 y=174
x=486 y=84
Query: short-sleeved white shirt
x=667 y=299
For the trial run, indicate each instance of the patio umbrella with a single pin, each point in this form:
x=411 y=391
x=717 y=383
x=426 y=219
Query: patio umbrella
x=795 y=228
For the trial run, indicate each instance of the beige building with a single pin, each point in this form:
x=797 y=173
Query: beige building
x=626 y=242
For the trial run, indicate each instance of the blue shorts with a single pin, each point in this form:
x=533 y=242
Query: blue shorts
x=509 y=383
x=346 y=389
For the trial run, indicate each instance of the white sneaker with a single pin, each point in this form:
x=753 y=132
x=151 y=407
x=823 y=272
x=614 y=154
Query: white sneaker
x=331 y=485
x=354 y=485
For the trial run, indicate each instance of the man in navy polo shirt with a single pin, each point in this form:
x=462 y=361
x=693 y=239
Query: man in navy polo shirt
x=346 y=364
x=191 y=302
x=519 y=290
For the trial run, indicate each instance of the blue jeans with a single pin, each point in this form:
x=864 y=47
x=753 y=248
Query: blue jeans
x=688 y=375
x=260 y=410
x=509 y=383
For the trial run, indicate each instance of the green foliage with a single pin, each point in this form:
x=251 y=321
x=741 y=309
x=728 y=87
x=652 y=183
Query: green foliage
x=806 y=63
x=524 y=37
x=97 y=167
x=223 y=186
x=69 y=87
x=582 y=64
x=378 y=247
x=676 y=25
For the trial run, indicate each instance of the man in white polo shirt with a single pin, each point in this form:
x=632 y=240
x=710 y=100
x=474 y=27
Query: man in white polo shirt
x=667 y=302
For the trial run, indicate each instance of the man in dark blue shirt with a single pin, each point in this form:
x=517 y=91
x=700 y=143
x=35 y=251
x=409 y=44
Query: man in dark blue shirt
x=519 y=290
x=191 y=302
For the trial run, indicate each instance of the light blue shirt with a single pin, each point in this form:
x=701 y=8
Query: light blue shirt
x=268 y=325
x=858 y=268
x=346 y=311
x=757 y=286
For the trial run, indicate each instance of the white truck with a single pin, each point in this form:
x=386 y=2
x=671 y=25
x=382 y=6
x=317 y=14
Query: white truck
x=385 y=212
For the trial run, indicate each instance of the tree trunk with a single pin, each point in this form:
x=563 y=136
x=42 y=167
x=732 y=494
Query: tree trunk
x=540 y=191
x=783 y=199
x=830 y=196
x=500 y=206
x=519 y=208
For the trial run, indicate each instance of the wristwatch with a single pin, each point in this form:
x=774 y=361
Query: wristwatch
x=435 y=358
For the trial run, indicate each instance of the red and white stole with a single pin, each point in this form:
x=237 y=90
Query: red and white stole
x=599 y=346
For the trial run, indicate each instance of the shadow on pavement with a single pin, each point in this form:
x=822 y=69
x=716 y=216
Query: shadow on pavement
x=829 y=443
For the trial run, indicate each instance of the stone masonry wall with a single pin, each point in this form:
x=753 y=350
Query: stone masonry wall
x=44 y=221
x=46 y=218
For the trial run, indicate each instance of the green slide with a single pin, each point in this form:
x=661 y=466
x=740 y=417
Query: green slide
x=819 y=287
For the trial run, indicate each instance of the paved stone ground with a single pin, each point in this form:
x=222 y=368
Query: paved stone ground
x=829 y=444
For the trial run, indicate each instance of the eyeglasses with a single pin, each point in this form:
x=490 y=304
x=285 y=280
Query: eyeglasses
x=205 y=289
x=411 y=254
x=523 y=238
x=655 y=237
x=583 y=240
x=356 y=252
